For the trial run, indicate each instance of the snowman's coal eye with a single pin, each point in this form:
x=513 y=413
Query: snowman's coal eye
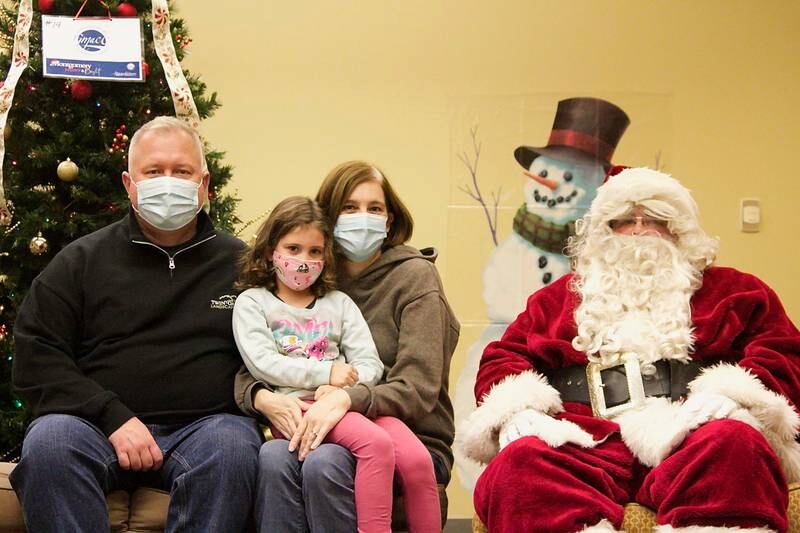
x=567 y=176
x=543 y=174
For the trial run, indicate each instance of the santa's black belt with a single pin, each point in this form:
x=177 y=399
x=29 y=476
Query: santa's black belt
x=669 y=379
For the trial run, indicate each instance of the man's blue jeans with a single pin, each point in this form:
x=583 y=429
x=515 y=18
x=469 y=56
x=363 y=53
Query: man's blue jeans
x=68 y=466
x=315 y=495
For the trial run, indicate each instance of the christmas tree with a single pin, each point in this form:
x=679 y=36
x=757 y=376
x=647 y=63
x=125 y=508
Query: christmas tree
x=66 y=146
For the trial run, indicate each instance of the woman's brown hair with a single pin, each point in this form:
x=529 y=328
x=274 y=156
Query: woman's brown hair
x=339 y=184
x=255 y=265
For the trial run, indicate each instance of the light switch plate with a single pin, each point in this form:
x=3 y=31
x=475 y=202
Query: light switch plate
x=750 y=215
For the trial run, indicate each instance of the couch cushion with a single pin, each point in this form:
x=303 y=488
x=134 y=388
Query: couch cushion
x=144 y=510
x=10 y=511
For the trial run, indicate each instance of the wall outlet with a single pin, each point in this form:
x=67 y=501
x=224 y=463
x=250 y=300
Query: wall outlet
x=750 y=215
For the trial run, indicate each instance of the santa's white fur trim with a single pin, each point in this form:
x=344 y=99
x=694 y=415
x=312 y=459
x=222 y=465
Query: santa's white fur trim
x=772 y=413
x=653 y=431
x=603 y=526
x=710 y=529
x=633 y=185
x=477 y=435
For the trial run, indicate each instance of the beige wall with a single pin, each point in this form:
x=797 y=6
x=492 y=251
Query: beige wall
x=710 y=87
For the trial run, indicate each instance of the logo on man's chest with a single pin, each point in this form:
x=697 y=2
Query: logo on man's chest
x=225 y=301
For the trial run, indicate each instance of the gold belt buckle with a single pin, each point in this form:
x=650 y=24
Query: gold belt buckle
x=633 y=373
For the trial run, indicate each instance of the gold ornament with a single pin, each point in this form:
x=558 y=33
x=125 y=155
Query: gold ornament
x=38 y=245
x=67 y=171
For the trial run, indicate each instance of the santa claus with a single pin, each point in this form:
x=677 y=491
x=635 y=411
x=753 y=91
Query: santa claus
x=647 y=375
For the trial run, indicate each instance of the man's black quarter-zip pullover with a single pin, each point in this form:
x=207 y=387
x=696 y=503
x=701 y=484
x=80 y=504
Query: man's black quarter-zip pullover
x=116 y=327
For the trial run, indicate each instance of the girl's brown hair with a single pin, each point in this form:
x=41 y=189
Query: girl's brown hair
x=255 y=265
x=339 y=184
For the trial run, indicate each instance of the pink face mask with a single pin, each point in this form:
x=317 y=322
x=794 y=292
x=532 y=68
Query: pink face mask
x=296 y=274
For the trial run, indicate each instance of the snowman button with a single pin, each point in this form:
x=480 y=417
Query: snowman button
x=547 y=277
x=542 y=261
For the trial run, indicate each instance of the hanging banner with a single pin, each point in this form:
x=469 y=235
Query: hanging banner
x=92 y=48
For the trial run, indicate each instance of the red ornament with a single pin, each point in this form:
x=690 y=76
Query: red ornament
x=145 y=69
x=46 y=6
x=81 y=90
x=126 y=10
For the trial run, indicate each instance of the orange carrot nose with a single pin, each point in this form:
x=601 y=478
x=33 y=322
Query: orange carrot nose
x=550 y=184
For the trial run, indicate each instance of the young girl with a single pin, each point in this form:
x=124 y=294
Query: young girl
x=304 y=338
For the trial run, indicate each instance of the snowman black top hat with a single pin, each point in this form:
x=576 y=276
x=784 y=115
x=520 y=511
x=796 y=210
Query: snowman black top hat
x=585 y=131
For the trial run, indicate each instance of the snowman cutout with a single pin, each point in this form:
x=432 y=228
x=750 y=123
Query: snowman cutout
x=561 y=181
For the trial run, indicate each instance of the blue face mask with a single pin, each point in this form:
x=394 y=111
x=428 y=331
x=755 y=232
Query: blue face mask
x=167 y=203
x=360 y=235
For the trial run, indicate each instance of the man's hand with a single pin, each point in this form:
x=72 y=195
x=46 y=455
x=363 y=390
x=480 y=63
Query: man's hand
x=136 y=449
x=343 y=375
x=319 y=420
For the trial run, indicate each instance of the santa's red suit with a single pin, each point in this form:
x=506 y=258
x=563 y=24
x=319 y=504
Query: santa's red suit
x=726 y=472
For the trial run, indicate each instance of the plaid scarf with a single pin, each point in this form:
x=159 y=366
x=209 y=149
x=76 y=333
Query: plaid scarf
x=545 y=235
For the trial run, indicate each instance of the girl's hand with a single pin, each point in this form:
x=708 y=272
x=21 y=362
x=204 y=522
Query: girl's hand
x=343 y=375
x=320 y=418
x=283 y=411
x=323 y=390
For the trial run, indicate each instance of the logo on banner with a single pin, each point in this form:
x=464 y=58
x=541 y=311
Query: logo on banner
x=91 y=40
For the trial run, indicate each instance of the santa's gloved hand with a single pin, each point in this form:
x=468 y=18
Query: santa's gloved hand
x=552 y=431
x=702 y=407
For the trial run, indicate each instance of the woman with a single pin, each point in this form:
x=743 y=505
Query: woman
x=400 y=295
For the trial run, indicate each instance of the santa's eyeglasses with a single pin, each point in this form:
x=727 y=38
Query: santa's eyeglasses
x=645 y=221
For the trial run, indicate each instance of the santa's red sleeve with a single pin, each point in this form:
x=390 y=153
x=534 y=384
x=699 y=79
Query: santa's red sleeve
x=508 y=379
x=740 y=322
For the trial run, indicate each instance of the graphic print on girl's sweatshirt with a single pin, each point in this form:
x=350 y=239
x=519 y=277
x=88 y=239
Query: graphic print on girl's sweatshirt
x=308 y=340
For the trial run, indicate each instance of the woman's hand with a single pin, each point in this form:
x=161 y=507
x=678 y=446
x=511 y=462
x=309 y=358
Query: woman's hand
x=320 y=418
x=343 y=375
x=322 y=390
x=283 y=411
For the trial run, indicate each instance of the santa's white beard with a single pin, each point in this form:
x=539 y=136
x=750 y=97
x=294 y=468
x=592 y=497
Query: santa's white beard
x=635 y=293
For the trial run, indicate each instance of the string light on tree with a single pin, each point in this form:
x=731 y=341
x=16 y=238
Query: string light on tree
x=46 y=6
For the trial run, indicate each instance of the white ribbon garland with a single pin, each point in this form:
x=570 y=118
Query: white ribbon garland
x=185 y=107
x=19 y=62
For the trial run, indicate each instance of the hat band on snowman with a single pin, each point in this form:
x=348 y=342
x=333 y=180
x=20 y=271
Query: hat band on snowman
x=583 y=142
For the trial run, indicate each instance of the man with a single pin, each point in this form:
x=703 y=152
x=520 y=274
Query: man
x=126 y=356
x=647 y=375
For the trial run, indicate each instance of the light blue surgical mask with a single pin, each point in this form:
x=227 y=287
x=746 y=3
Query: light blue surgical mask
x=167 y=203
x=360 y=235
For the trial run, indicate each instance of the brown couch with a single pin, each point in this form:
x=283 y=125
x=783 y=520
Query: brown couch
x=143 y=510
